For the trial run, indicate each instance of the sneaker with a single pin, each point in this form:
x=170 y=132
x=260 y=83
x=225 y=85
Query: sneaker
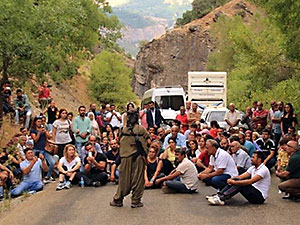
x=51 y=179
x=137 y=205
x=60 y=186
x=210 y=196
x=97 y=184
x=68 y=185
x=48 y=180
x=287 y=196
x=31 y=192
x=116 y=203
x=216 y=201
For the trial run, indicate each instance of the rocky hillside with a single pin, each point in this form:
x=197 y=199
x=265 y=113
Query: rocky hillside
x=167 y=60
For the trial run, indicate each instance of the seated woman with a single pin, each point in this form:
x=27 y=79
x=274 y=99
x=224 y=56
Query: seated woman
x=193 y=152
x=68 y=166
x=168 y=157
x=153 y=168
x=203 y=159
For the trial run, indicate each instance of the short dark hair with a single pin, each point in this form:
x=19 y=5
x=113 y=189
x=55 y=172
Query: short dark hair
x=261 y=155
x=266 y=131
x=194 y=125
x=181 y=151
x=151 y=102
x=173 y=139
x=82 y=106
x=284 y=141
x=292 y=128
x=19 y=90
x=26 y=150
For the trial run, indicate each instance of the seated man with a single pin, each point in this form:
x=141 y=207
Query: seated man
x=268 y=147
x=221 y=166
x=254 y=184
x=44 y=95
x=32 y=169
x=241 y=158
x=23 y=108
x=180 y=138
x=7 y=108
x=184 y=178
x=292 y=172
x=94 y=168
x=112 y=155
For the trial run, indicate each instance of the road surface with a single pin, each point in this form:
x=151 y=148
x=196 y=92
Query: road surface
x=91 y=206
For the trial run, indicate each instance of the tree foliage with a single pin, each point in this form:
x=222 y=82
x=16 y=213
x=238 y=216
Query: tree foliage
x=110 y=79
x=200 y=9
x=46 y=36
x=286 y=14
x=254 y=57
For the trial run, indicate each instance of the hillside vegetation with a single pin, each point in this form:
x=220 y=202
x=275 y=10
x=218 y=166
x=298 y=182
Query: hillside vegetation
x=262 y=56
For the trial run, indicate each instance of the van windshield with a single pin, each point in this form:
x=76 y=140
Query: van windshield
x=166 y=102
x=216 y=115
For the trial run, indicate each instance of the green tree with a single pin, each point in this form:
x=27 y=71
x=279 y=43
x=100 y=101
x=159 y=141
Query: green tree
x=286 y=13
x=253 y=56
x=48 y=36
x=199 y=9
x=110 y=79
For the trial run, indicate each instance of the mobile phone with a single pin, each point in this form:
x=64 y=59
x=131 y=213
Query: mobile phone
x=90 y=154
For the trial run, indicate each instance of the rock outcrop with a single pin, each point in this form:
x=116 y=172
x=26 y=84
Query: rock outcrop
x=167 y=60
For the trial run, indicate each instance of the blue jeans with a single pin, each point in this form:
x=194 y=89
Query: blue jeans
x=178 y=186
x=81 y=154
x=218 y=182
x=28 y=115
x=271 y=163
x=1 y=191
x=27 y=186
x=49 y=158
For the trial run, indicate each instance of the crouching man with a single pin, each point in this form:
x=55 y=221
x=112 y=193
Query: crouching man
x=183 y=179
x=32 y=169
x=254 y=184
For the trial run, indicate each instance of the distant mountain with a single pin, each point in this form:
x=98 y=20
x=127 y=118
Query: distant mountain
x=146 y=19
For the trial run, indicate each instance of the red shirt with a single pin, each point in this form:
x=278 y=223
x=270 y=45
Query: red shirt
x=213 y=132
x=204 y=157
x=44 y=92
x=263 y=122
x=184 y=120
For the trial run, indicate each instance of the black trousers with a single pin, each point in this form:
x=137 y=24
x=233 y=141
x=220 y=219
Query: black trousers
x=249 y=192
x=90 y=178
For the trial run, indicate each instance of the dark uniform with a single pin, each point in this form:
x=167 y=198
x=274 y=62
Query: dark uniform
x=131 y=168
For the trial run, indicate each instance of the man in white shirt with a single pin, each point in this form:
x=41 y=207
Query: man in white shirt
x=184 y=178
x=240 y=157
x=232 y=117
x=221 y=166
x=254 y=184
x=113 y=117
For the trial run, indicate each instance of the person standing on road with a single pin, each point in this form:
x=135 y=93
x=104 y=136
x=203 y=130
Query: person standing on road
x=154 y=117
x=133 y=149
x=81 y=129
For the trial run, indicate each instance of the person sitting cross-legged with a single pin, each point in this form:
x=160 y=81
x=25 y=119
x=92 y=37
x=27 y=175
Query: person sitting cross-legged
x=291 y=185
x=183 y=179
x=221 y=166
x=68 y=166
x=254 y=184
x=94 y=168
x=32 y=169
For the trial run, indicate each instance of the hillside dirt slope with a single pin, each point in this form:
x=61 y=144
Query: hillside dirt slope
x=167 y=60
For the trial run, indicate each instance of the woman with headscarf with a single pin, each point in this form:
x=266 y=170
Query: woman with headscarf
x=95 y=127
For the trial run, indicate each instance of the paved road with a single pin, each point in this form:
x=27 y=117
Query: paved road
x=91 y=206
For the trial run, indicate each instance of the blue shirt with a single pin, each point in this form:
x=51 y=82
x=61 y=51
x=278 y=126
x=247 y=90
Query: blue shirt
x=250 y=147
x=83 y=125
x=40 y=144
x=180 y=140
x=35 y=173
x=277 y=129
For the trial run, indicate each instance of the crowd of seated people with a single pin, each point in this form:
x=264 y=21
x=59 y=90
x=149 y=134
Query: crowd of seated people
x=84 y=149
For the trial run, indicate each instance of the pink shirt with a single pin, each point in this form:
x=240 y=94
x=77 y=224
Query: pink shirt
x=143 y=118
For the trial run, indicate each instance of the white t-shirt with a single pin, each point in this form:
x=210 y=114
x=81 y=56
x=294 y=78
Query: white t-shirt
x=223 y=160
x=188 y=174
x=62 y=135
x=232 y=116
x=67 y=164
x=262 y=185
x=114 y=120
